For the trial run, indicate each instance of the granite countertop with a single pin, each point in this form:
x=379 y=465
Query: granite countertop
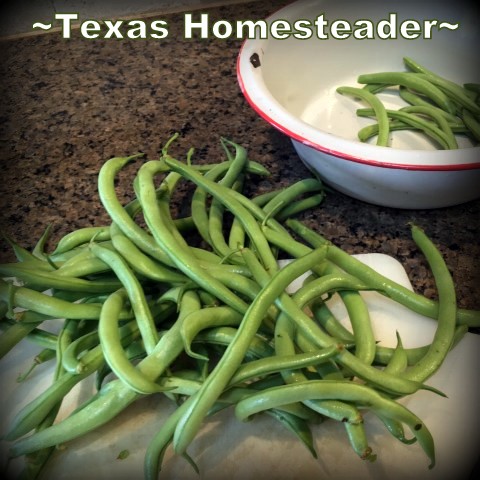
x=69 y=105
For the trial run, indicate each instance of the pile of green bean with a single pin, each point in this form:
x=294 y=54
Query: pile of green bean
x=209 y=324
x=436 y=107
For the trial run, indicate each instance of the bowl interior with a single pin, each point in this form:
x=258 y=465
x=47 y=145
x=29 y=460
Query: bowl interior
x=295 y=88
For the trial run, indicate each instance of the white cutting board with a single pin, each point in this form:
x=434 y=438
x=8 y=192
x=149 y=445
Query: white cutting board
x=226 y=448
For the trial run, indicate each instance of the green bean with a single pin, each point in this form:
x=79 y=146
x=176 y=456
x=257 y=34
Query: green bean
x=23 y=255
x=287 y=195
x=416 y=302
x=41 y=280
x=111 y=343
x=13 y=334
x=30 y=416
x=199 y=198
x=233 y=355
x=416 y=100
x=113 y=398
x=346 y=391
x=216 y=229
x=383 y=354
x=382 y=380
x=472 y=124
x=81 y=236
x=399 y=360
x=334 y=409
x=36 y=461
x=445 y=331
x=396 y=429
x=444 y=139
x=70 y=358
x=120 y=216
x=183 y=258
x=50 y=306
x=324 y=316
x=258 y=347
x=360 y=321
x=296 y=425
x=142 y=264
x=83 y=264
x=277 y=363
x=230 y=200
x=376 y=87
x=455 y=91
x=135 y=294
x=299 y=206
x=45 y=355
x=37 y=336
x=237 y=232
x=231 y=179
x=158 y=445
x=358 y=440
x=371 y=130
x=440 y=119
x=413 y=81
x=377 y=106
x=206 y=318
x=68 y=333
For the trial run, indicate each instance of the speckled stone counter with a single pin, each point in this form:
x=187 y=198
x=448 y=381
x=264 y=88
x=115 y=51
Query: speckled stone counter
x=69 y=105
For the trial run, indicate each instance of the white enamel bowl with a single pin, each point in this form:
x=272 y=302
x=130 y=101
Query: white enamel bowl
x=292 y=84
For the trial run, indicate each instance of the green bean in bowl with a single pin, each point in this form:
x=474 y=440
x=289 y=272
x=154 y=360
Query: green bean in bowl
x=416 y=146
x=434 y=106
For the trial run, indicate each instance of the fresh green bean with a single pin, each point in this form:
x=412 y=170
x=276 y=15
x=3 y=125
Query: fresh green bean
x=416 y=100
x=111 y=342
x=454 y=91
x=81 y=236
x=43 y=356
x=120 y=216
x=143 y=264
x=182 y=258
x=445 y=331
x=135 y=294
x=377 y=105
x=13 y=334
x=41 y=280
x=206 y=318
x=383 y=354
x=472 y=124
x=45 y=304
x=416 y=302
x=263 y=366
x=413 y=81
x=347 y=391
x=231 y=359
x=399 y=361
x=230 y=200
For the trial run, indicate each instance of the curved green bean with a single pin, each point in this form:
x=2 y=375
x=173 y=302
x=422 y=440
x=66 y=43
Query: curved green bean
x=378 y=107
